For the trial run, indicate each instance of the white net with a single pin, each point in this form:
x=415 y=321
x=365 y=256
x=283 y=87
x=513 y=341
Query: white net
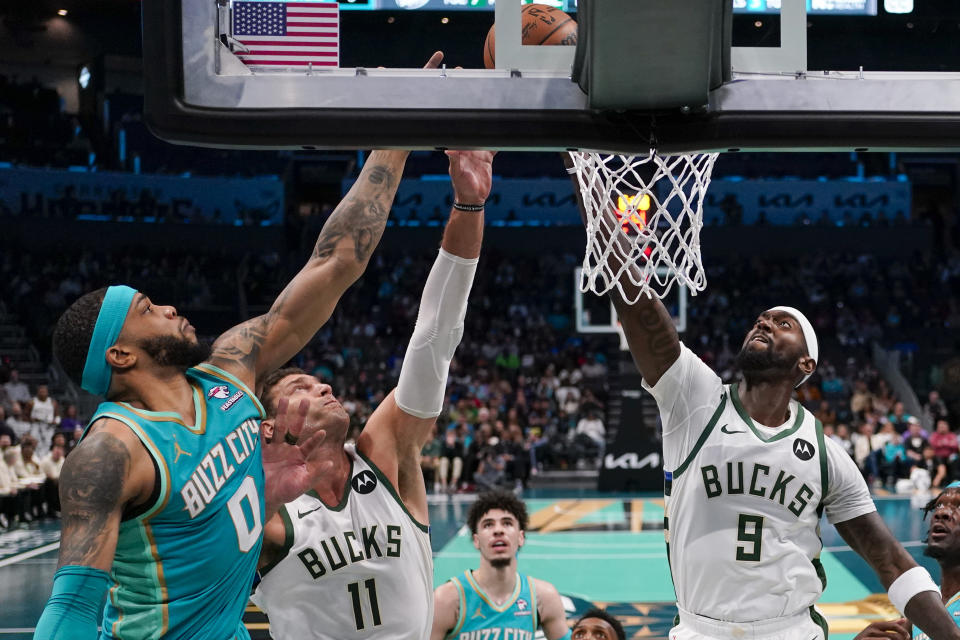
x=644 y=215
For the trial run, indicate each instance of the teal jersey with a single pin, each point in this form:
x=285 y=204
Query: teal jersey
x=480 y=619
x=953 y=608
x=184 y=565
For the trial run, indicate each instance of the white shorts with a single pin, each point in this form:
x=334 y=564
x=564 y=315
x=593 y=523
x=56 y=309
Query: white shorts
x=806 y=625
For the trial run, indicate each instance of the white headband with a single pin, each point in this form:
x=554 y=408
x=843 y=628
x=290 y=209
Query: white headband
x=809 y=335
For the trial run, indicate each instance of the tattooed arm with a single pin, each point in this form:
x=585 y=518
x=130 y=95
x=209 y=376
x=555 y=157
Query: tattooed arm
x=872 y=540
x=647 y=325
x=107 y=471
x=261 y=345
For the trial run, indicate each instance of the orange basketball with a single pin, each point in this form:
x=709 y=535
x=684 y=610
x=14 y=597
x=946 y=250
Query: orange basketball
x=541 y=25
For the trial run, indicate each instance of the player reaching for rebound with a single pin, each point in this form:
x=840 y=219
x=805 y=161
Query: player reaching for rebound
x=351 y=558
x=748 y=474
x=164 y=499
x=496 y=600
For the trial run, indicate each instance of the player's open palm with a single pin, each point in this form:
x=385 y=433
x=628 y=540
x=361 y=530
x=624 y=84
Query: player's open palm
x=291 y=465
x=472 y=175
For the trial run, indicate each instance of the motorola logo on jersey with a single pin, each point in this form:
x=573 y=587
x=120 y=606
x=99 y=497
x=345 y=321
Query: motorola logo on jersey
x=364 y=482
x=803 y=449
x=221 y=391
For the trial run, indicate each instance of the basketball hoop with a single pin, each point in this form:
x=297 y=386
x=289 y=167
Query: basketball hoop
x=644 y=215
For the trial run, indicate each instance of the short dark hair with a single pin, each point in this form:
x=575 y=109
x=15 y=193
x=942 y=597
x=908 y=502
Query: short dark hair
x=272 y=379
x=602 y=614
x=498 y=499
x=74 y=330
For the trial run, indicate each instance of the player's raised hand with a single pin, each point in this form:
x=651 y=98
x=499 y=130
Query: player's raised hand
x=291 y=460
x=434 y=61
x=886 y=630
x=472 y=175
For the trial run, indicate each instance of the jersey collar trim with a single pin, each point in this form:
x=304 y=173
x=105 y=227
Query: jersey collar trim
x=346 y=492
x=509 y=601
x=798 y=408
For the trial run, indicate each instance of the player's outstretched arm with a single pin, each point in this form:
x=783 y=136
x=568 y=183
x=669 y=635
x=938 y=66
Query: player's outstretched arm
x=401 y=425
x=261 y=345
x=446 y=610
x=647 y=325
x=869 y=536
x=553 y=619
x=102 y=475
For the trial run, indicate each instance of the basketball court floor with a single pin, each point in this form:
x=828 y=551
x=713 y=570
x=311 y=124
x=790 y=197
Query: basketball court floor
x=604 y=549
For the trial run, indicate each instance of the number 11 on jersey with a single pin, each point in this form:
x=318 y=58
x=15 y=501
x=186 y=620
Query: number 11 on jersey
x=354 y=589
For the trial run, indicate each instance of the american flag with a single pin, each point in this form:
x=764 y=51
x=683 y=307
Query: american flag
x=287 y=34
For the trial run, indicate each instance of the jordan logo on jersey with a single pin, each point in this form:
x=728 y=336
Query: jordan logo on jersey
x=364 y=482
x=478 y=613
x=803 y=449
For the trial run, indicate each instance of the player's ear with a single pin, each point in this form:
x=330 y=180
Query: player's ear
x=522 y=540
x=266 y=429
x=476 y=542
x=807 y=365
x=120 y=357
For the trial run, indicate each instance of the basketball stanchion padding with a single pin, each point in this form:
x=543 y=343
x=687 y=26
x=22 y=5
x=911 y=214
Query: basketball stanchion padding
x=644 y=215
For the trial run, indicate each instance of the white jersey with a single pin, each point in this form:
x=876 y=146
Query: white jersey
x=362 y=569
x=743 y=501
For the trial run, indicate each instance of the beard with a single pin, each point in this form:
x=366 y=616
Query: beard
x=764 y=366
x=500 y=563
x=171 y=351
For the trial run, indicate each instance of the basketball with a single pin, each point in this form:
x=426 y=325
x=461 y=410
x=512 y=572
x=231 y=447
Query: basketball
x=541 y=25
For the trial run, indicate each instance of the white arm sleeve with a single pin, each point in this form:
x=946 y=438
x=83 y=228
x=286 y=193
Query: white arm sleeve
x=443 y=306
x=687 y=395
x=847 y=494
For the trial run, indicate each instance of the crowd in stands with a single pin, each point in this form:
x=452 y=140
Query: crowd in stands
x=526 y=391
x=34 y=440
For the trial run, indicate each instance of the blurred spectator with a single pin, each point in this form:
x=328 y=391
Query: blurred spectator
x=825 y=414
x=5 y=402
x=944 y=442
x=866 y=444
x=17 y=391
x=69 y=422
x=491 y=469
x=9 y=498
x=5 y=428
x=591 y=429
x=934 y=410
x=451 y=460
x=861 y=400
x=899 y=417
x=893 y=461
x=430 y=459
x=517 y=457
x=51 y=467
x=933 y=466
x=913 y=441
x=17 y=422
x=841 y=436
x=74 y=439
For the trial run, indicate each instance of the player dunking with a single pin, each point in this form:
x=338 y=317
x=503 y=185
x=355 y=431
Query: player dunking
x=496 y=600
x=127 y=509
x=351 y=558
x=748 y=474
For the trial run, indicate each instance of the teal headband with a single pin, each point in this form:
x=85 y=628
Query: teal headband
x=113 y=311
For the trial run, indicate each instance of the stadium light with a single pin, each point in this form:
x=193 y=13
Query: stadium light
x=898 y=6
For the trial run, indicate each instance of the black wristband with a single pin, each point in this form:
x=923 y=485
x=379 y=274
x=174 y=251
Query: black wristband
x=473 y=208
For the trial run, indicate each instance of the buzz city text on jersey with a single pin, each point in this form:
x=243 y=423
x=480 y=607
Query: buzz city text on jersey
x=215 y=468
